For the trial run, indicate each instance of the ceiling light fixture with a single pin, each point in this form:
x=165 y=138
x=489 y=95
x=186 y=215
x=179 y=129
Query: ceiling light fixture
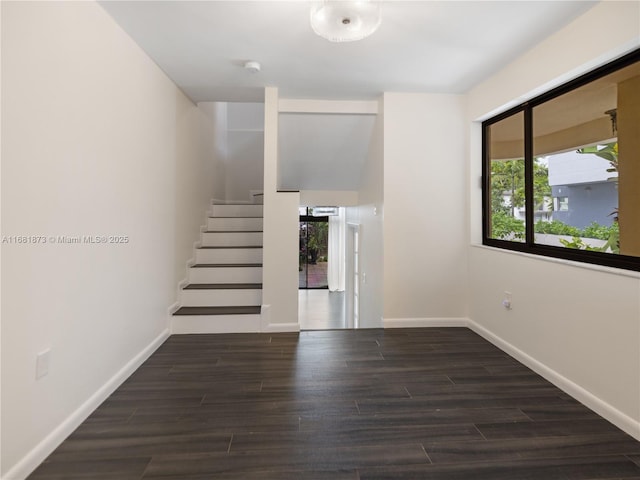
x=345 y=20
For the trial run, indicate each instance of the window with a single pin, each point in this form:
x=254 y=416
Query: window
x=562 y=204
x=561 y=173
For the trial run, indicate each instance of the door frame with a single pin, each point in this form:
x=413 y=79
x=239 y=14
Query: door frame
x=352 y=281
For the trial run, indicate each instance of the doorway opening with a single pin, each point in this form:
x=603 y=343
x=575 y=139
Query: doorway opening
x=321 y=296
x=314 y=249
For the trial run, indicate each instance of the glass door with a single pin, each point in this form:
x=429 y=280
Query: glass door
x=314 y=249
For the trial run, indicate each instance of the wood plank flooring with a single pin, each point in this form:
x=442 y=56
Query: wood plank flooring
x=434 y=404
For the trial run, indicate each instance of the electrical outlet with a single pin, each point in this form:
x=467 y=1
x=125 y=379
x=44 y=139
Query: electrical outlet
x=42 y=363
x=507 y=300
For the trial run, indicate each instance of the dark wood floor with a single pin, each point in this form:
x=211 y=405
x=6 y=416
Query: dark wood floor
x=369 y=404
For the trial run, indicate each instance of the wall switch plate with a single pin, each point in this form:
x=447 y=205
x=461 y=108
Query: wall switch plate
x=506 y=301
x=42 y=363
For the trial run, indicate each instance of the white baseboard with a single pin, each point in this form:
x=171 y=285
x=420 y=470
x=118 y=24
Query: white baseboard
x=256 y=196
x=602 y=408
x=424 y=322
x=231 y=202
x=40 y=452
x=267 y=326
x=173 y=309
x=281 y=327
x=265 y=317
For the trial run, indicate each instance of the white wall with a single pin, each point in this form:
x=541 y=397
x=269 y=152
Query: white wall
x=328 y=198
x=369 y=214
x=96 y=141
x=245 y=143
x=281 y=234
x=197 y=177
x=578 y=325
x=315 y=145
x=214 y=134
x=425 y=223
x=236 y=131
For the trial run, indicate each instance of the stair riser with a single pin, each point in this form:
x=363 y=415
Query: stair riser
x=215 y=324
x=234 y=224
x=229 y=255
x=225 y=275
x=236 y=210
x=220 y=298
x=231 y=239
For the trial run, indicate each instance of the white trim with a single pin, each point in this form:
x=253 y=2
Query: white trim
x=254 y=194
x=173 y=309
x=27 y=464
x=265 y=316
x=267 y=326
x=425 y=322
x=231 y=201
x=349 y=107
x=602 y=408
x=282 y=327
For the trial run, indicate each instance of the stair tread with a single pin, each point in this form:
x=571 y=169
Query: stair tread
x=225 y=265
x=248 y=310
x=223 y=286
x=232 y=246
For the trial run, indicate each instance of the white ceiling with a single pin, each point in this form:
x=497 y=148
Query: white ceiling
x=421 y=46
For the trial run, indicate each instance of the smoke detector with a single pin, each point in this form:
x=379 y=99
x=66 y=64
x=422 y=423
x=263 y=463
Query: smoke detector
x=252 y=67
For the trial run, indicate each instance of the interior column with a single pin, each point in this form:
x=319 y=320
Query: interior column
x=628 y=120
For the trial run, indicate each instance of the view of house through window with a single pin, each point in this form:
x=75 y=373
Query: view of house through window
x=572 y=158
x=581 y=193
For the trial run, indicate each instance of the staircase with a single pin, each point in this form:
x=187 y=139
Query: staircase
x=223 y=293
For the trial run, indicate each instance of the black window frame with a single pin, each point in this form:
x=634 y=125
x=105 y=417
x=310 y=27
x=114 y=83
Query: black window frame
x=626 y=262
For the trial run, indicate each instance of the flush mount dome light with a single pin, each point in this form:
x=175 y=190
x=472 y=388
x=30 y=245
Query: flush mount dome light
x=345 y=21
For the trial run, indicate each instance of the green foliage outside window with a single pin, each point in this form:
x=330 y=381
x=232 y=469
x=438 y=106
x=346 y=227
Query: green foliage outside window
x=507 y=179
x=505 y=227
